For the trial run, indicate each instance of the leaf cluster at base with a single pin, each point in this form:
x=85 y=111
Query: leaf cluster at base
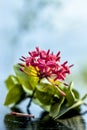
x=46 y=95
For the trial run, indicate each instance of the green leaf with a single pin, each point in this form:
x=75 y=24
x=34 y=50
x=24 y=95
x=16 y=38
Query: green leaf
x=70 y=95
x=60 y=85
x=48 y=88
x=84 y=97
x=29 y=82
x=65 y=109
x=44 y=106
x=14 y=95
x=55 y=108
x=32 y=75
x=77 y=96
x=45 y=87
x=11 y=81
x=44 y=98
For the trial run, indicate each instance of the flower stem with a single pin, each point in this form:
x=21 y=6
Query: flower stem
x=29 y=104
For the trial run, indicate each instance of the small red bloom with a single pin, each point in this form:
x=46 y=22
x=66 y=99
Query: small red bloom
x=48 y=64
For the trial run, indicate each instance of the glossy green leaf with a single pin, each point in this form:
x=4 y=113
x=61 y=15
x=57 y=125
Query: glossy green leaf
x=60 y=85
x=32 y=77
x=11 y=81
x=46 y=107
x=55 y=108
x=44 y=98
x=48 y=88
x=70 y=96
x=14 y=95
x=77 y=96
x=60 y=88
x=44 y=87
x=28 y=82
x=65 y=109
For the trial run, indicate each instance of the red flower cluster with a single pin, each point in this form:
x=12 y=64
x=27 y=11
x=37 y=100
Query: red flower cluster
x=47 y=63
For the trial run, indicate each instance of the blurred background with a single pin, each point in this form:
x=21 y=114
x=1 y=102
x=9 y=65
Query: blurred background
x=58 y=25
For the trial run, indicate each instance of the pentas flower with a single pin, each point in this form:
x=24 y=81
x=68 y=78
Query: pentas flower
x=46 y=64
